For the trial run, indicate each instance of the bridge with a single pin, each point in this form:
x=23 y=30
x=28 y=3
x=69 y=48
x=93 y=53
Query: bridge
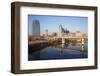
x=81 y=39
x=67 y=37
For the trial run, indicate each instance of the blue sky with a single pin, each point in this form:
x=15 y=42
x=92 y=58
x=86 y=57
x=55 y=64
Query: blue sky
x=72 y=23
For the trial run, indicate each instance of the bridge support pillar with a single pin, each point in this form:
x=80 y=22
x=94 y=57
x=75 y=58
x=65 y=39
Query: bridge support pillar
x=82 y=44
x=63 y=41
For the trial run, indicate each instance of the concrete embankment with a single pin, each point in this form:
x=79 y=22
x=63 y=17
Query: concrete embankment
x=37 y=45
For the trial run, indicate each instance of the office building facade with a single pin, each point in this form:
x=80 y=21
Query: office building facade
x=36 y=28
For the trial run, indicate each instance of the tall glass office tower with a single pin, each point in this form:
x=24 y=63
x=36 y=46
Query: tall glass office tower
x=36 y=28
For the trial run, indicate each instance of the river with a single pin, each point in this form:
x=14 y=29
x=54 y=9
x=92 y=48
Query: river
x=62 y=51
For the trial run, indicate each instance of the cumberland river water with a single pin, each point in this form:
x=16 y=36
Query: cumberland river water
x=62 y=51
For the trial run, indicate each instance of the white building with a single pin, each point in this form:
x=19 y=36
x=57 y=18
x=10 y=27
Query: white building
x=36 y=28
x=46 y=32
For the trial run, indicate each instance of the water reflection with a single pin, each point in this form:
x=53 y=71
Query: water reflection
x=61 y=51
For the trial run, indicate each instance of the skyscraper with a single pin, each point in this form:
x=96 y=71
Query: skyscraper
x=46 y=32
x=36 y=28
x=60 y=30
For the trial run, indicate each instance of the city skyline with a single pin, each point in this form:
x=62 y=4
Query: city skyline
x=72 y=23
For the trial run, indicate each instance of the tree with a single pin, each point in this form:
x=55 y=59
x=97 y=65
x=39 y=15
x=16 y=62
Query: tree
x=54 y=34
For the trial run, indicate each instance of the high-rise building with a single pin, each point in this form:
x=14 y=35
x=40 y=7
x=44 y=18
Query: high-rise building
x=36 y=28
x=60 y=30
x=46 y=32
x=63 y=31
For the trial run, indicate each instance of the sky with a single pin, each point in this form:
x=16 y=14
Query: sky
x=72 y=23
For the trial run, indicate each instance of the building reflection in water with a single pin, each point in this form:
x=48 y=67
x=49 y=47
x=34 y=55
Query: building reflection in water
x=61 y=51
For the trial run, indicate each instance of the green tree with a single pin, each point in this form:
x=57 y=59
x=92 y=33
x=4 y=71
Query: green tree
x=54 y=34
